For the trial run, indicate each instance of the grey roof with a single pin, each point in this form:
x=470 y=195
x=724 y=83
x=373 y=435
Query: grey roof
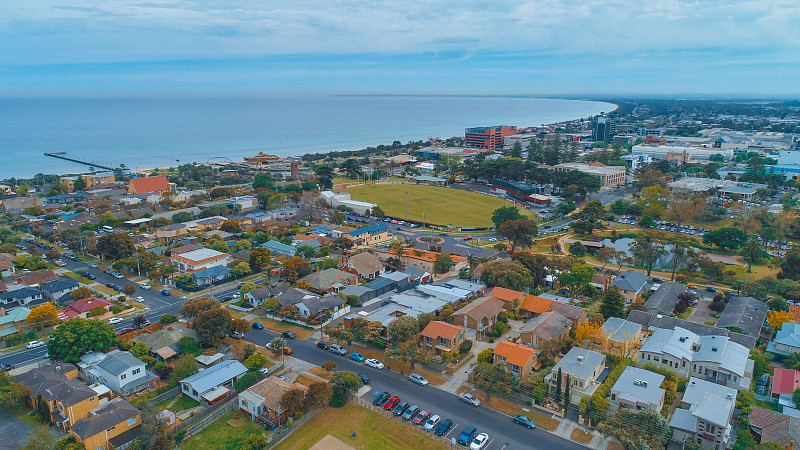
x=697 y=388
x=545 y=326
x=714 y=409
x=21 y=293
x=620 y=329
x=110 y=414
x=414 y=272
x=41 y=379
x=317 y=305
x=270 y=291
x=292 y=296
x=719 y=349
x=650 y=321
x=329 y=278
x=381 y=282
x=683 y=419
x=167 y=336
x=60 y=284
x=630 y=281
x=117 y=362
x=70 y=392
x=630 y=387
x=466 y=285
x=676 y=342
x=789 y=334
x=665 y=297
x=570 y=364
x=746 y=313
x=356 y=290
x=214 y=376
x=213 y=271
x=571 y=312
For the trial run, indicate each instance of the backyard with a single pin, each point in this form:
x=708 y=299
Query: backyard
x=228 y=432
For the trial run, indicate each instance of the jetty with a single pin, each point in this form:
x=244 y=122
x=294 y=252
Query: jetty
x=63 y=155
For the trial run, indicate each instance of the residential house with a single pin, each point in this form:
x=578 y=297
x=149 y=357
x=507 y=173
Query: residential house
x=365 y=265
x=744 y=315
x=479 y=315
x=784 y=383
x=331 y=305
x=631 y=285
x=279 y=249
x=67 y=398
x=771 y=426
x=36 y=279
x=81 y=308
x=55 y=290
x=515 y=358
x=213 y=384
x=20 y=295
x=157 y=184
x=705 y=415
x=586 y=370
x=262 y=401
x=422 y=259
x=787 y=340
x=124 y=373
x=341 y=231
x=650 y=322
x=620 y=337
x=13 y=321
x=511 y=299
x=329 y=280
x=474 y=289
x=373 y=235
x=197 y=260
x=664 y=299
x=113 y=425
x=713 y=358
x=544 y=327
x=638 y=389
x=257 y=297
x=163 y=344
x=442 y=337
x=574 y=313
x=532 y=305
x=6 y=267
x=211 y=275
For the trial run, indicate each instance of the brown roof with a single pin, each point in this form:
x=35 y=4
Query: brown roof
x=569 y=311
x=272 y=389
x=7 y=257
x=437 y=329
x=536 y=305
x=481 y=308
x=37 y=278
x=365 y=263
x=776 y=427
x=157 y=183
x=185 y=248
x=506 y=294
x=516 y=354
x=546 y=326
x=476 y=274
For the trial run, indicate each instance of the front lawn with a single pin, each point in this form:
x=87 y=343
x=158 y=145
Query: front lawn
x=511 y=409
x=280 y=327
x=373 y=431
x=685 y=315
x=228 y=432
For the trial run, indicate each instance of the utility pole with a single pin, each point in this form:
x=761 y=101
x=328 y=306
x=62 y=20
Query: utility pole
x=406 y=205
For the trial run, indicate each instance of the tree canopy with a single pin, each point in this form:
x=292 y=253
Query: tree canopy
x=77 y=336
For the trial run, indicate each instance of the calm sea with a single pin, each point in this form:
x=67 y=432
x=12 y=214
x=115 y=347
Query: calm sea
x=146 y=132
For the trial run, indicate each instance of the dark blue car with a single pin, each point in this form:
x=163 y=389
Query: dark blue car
x=524 y=421
x=258 y=326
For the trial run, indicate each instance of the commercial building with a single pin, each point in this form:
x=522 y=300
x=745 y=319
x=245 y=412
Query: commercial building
x=344 y=199
x=91 y=179
x=610 y=176
x=681 y=154
x=604 y=129
x=488 y=138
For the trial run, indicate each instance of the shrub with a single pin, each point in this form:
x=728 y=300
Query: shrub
x=486 y=356
x=168 y=318
x=179 y=436
x=466 y=346
x=248 y=379
x=682 y=384
x=338 y=399
x=116 y=309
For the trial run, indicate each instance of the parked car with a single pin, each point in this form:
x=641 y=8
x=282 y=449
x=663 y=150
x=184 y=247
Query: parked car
x=166 y=292
x=35 y=344
x=117 y=275
x=364 y=378
x=524 y=421
x=479 y=442
x=4 y=367
x=289 y=335
x=106 y=270
x=443 y=427
x=391 y=403
x=124 y=330
x=264 y=370
x=710 y=289
x=431 y=423
x=145 y=286
x=115 y=320
x=110 y=285
x=92 y=265
x=400 y=408
x=467 y=434
x=323 y=345
x=410 y=412
x=287 y=350
x=374 y=363
x=380 y=398
x=91 y=276
x=421 y=416
x=337 y=349
x=469 y=398
x=419 y=379
x=355 y=356
x=258 y=326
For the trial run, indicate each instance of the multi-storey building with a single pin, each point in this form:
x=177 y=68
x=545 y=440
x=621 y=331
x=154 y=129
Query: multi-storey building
x=489 y=138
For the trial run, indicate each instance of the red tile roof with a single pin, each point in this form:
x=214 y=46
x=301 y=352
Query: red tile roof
x=437 y=329
x=515 y=354
x=506 y=294
x=536 y=305
x=775 y=427
x=81 y=306
x=158 y=183
x=785 y=381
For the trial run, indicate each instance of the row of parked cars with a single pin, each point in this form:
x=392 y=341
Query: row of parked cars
x=663 y=225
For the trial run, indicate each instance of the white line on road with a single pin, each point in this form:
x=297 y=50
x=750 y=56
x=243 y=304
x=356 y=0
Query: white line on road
x=489 y=444
x=453 y=428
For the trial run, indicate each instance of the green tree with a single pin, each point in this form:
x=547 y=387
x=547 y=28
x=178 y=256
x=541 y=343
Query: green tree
x=306 y=251
x=723 y=238
x=260 y=258
x=752 y=253
x=115 y=245
x=79 y=184
x=184 y=367
x=443 y=263
x=188 y=345
x=13 y=395
x=195 y=306
x=255 y=361
x=637 y=429
x=254 y=442
x=140 y=349
x=40 y=438
x=181 y=217
x=576 y=277
x=317 y=396
x=263 y=181
x=212 y=326
x=796 y=397
x=504 y=214
x=612 y=303
x=558 y=386
x=588 y=219
x=519 y=232
x=77 y=336
x=324 y=175
x=647 y=248
x=402 y=329
x=507 y=274
x=577 y=249
x=241 y=269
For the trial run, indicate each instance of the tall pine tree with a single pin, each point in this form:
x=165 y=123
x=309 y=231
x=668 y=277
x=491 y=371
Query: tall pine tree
x=612 y=303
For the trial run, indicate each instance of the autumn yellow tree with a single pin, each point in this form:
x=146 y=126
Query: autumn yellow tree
x=372 y=330
x=587 y=331
x=776 y=319
x=81 y=292
x=43 y=315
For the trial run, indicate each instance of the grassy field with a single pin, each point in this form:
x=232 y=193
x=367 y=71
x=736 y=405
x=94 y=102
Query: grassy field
x=228 y=432
x=182 y=404
x=280 y=327
x=372 y=430
x=442 y=206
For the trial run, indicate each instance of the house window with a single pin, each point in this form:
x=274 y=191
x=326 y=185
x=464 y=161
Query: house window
x=132 y=421
x=442 y=341
x=515 y=369
x=135 y=371
x=655 y=358
x=123 y=376
x=111 y=429
x=429 y=341
x=613 y=396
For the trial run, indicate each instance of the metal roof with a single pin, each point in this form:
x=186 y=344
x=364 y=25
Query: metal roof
x=214 y=376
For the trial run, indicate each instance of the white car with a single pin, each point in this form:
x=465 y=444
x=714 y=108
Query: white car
x=145 y=286
x=114 y=320
x=374 y=363
x=264 y=370
x=117 y=275
x=92 y=265
x=139 y=299
x=479 y=442
x=419 y=379
x=35 y=344
x=431 y=423
x=469 y=398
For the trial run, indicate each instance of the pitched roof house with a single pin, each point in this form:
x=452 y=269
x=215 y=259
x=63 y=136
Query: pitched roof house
x=442 y=337
x=13 y=321
x=544 y=327
x=665 y=298
x=772 y=426
x=706 y=414
x=785 y=381
x=158 y=184
x=638 y=389
x=212 y=385
x=54 y=290
x=787 y=340
x=631 y=284
x=262 y=401
x=621 y=337
x=67 y=398
x=479 y=315
x=112 y=425
x=586 y=370
x=744 y=314
x=365 y=265
x=518 y=359
x=121 y=371
x=81 y=308
x=329 y=280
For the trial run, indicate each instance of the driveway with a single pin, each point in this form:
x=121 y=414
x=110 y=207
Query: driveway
x=701 y=311
x=12 y=430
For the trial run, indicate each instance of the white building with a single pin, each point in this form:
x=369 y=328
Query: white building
x=121 y=371
x=705 y=415
x=343 y=199
x=199 y=259
x=638 y=389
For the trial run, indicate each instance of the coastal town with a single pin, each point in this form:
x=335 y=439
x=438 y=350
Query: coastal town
x=629 y=280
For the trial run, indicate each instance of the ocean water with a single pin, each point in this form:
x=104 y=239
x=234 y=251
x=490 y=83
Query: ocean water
x=146 y=132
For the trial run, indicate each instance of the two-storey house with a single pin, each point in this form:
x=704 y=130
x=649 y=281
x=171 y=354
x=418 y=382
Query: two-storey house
x=113 y=425
x=479 y=315
x=13 y=321
x=705 y=415
x=262 y=401
x=586 y=370
x=121 y=371
x=631 y=284
x=620 y=337
x=517 y=359
x=442 y=337
x=638 y=389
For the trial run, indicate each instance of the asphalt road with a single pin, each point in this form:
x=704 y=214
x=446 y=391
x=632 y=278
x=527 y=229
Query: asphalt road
x=502 y=431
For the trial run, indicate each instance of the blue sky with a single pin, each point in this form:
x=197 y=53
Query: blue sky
x=597 y=47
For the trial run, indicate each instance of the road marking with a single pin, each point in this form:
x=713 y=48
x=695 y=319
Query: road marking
x=453 y=428
x=490 y=443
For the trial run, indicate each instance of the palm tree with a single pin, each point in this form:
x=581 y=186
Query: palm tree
x=752 y=253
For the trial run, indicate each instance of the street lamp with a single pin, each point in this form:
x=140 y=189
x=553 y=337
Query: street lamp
x=406 y=205
x=423 y=220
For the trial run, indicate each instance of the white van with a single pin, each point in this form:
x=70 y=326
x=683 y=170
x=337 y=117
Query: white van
x=35 y=344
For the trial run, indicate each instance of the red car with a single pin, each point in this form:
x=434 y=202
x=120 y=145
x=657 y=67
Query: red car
x=468 y=238
x=106 y=270
x=287 y=350
x=123 y=331
x=391 y=403
x=421 y=417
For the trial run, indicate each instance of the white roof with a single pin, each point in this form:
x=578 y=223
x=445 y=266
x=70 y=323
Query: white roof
x=677 y=342
x=713 y=409
x=697 y=388
x=201 y=254
x=721 y=350
x=216 y=375
x=639 y=385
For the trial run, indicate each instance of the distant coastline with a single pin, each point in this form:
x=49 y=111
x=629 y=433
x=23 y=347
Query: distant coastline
x=146 y=133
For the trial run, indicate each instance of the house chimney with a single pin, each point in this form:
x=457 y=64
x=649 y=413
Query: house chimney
x=580 y=360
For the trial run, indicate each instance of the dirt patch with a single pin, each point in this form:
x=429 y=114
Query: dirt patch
x=434 y=378
x=512 y=409
x=615 y=446
x=581 y=436
x=236 y=421
x=320 y=372
x=305 y=379
x=280 y=327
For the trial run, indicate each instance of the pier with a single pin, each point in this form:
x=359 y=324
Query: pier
x=63 y=155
